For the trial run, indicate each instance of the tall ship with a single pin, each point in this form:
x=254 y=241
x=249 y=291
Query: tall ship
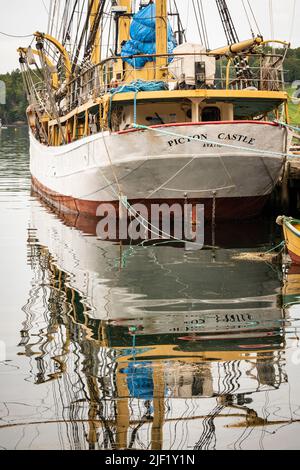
x=123 y=109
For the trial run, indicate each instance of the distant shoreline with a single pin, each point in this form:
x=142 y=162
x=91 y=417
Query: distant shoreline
x=16 y=124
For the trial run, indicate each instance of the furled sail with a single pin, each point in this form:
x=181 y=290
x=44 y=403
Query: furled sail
x=143 y=37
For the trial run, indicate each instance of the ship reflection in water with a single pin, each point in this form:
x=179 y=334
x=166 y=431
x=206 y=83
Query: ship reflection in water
x=154 y=347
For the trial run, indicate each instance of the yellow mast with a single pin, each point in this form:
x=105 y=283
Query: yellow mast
x=124 y=22
x=161 y=37
x=96 y=54
x=123 y=34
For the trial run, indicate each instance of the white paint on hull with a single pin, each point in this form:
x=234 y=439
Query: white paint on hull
x=151 y=165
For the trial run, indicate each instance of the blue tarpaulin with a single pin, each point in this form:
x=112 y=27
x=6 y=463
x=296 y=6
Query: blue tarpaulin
x=139 y=380
x=143 y=37
x=140 y=85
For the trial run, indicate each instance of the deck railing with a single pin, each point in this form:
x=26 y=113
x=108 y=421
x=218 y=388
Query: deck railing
x=263 y=72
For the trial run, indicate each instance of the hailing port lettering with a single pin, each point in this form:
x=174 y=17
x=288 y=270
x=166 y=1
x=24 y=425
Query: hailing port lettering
x=222 y=136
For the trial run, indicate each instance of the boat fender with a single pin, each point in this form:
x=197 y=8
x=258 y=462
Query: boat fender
x=279 y=220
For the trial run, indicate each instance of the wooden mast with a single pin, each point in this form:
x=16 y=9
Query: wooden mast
x=123 y=25
x=96 y=53
x=161 y=38
x=124 y=22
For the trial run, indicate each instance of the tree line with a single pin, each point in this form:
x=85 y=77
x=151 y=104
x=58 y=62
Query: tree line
x=14 y=109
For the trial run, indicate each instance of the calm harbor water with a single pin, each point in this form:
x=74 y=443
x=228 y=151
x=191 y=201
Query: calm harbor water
x=109 y=347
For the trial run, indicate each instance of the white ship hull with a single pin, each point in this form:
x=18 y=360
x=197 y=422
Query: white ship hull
x=159 y=166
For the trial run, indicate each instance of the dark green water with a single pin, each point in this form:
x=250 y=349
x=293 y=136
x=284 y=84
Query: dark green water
x=111 y=347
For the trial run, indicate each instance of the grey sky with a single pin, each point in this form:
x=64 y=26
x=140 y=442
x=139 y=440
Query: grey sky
x=22 y=17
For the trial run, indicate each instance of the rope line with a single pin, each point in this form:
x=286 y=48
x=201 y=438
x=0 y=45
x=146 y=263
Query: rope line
x=214 y=142
x=16 y=36
x=144 y=222
x=254 y=17
x=248 y=18
x=294 y=128
x=280 y=245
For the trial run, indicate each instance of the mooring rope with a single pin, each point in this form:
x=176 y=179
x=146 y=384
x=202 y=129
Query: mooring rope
x=214 y=142
x=280 y=245
x=142 y=220
x=294 y=128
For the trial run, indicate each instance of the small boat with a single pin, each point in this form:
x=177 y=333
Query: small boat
x=291 y=230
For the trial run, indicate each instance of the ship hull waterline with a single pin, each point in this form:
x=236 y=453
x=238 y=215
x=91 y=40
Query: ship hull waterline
x=174 y=164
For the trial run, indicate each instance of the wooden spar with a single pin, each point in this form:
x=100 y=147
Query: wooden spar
x=96 y=53
x=236 y=48
x=161 y=37
x=62 y=50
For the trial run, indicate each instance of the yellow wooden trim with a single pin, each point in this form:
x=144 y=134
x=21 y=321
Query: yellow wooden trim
x=78 y=110
x=44 y=118
x=286 y=110
x=61 y=49
x=171 y=351
x=201 y=93
x=267 y=41
x=228 y=72
x=178 y=94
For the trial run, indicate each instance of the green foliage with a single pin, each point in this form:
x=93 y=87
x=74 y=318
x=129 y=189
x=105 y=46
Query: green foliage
x=294 y=110
x=16 y=102
x=292 y=65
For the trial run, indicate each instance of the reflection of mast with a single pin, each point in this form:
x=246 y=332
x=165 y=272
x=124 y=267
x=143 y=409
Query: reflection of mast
x=158 y=407
x=122 y=411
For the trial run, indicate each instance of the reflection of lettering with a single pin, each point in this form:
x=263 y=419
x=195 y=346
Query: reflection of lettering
x=238 y=138
x=241 y=317
x=235 y=317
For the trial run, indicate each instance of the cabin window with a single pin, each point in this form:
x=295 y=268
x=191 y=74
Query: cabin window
x=200 y=74
x=211 y=113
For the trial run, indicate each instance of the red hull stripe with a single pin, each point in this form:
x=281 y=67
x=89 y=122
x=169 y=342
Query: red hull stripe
x=226 y=208
x=295 y=258
x=211 y=123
